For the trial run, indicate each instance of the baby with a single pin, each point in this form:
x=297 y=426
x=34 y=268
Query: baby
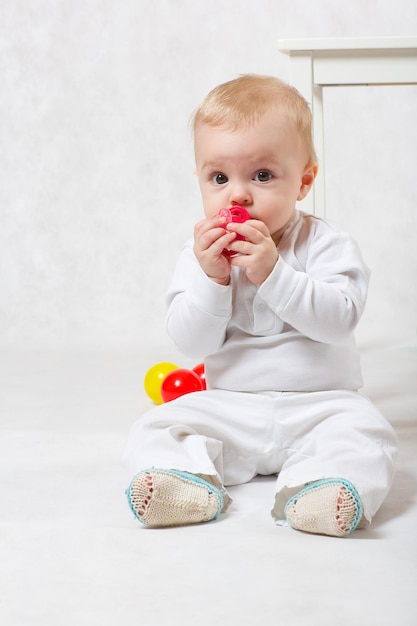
x=274 y=321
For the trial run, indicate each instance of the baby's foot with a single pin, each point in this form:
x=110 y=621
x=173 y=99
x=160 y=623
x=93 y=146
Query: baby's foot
x=171 y=498
x=326 y=507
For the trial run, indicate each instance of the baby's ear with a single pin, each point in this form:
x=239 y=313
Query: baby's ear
x=307 y=179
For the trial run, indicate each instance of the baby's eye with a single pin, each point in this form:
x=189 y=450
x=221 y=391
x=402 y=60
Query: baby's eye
x=263 y=176
x=219 y=178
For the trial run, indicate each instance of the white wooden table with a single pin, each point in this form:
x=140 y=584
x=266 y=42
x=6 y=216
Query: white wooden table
x=319 y=63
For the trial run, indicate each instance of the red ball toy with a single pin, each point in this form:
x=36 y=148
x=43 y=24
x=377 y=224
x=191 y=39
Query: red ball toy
x=180 y=382
x=200 y=371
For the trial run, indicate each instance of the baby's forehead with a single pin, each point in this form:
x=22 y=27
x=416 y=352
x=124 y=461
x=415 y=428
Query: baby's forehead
x=273 y=120
x=267 y=142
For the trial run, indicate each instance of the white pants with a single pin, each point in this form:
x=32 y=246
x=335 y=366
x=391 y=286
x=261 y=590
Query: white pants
x=302 y=437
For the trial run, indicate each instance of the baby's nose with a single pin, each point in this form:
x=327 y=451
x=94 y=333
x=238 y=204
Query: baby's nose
x=240 y=194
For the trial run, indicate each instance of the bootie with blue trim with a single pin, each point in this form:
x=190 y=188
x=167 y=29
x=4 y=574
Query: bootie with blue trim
x=161 y=498
x=326 y=507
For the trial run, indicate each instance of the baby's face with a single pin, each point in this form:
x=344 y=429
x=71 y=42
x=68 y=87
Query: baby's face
x=262 y=168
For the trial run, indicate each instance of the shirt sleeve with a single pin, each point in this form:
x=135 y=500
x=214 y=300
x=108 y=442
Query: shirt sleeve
x=199 y=309
x=326 y=300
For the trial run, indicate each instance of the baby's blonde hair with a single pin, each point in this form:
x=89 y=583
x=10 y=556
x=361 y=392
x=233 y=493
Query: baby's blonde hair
x=243 y=101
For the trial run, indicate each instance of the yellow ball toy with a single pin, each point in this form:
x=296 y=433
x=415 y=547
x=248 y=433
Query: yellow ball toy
x=154 y=377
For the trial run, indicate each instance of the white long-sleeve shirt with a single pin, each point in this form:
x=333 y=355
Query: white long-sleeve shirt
x=294 y=332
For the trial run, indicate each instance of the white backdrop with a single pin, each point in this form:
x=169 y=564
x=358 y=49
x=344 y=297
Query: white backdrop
x=97 y=191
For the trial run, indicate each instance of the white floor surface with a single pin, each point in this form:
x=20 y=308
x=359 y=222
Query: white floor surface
x=71 y=553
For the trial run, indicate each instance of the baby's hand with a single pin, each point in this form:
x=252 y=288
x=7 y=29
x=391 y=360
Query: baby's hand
x=257 y=252
x=210 y=239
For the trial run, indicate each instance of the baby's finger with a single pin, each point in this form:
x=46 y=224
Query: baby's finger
x=254 y=233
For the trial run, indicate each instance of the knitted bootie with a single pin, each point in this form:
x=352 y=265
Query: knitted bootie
x=171 y=498
x=326 y=507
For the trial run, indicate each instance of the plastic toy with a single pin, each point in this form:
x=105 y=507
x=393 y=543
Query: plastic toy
x=199 y=370
x=154 y=378
x=179 y=382
x=234 y=214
